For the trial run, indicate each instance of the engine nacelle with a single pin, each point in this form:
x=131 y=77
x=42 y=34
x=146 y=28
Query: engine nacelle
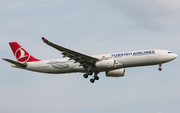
x=106 y=64
x=115 y=73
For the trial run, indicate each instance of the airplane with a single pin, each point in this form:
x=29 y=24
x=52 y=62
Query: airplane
x=113 y=64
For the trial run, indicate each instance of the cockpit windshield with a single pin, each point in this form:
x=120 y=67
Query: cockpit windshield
x=170 y=52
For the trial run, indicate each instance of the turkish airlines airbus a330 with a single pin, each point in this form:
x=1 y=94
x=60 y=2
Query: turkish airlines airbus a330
x=113 y=64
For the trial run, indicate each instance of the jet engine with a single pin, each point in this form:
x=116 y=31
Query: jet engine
x=106 y=64
x=116 y=73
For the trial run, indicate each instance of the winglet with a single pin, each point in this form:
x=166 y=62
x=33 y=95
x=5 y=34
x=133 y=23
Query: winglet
x=45 y=40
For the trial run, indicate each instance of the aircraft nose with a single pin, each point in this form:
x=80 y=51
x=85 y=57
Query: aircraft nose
x=175 y=56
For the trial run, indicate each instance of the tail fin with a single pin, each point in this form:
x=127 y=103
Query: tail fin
x=21 y=54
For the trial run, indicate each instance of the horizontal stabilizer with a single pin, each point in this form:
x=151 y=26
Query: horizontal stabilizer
x=16 y=63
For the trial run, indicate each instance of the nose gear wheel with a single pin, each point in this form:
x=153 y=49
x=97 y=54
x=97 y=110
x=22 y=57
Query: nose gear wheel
x=160 y=69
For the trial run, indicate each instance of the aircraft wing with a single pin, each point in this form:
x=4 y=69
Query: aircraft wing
x=83 y=59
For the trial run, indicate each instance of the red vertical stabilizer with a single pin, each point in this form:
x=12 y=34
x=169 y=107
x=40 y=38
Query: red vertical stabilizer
x=21 y=54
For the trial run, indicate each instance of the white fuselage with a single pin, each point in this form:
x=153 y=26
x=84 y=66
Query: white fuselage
x=122 y=60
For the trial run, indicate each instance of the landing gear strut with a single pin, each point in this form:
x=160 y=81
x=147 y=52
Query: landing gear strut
x=90 y=72
x=95 y=77
x=87 y=74
x=160 y=69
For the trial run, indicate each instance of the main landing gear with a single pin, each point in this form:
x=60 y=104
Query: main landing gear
x=160 y=69
x=95 y=77
x=87 y=74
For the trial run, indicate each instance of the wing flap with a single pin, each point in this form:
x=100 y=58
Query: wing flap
x=83 y=59
x=70 y=53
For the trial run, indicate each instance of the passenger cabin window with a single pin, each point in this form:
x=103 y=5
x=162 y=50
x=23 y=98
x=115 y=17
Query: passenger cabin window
x=170 y=52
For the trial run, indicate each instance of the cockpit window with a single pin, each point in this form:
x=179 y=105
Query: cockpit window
x=170 y=52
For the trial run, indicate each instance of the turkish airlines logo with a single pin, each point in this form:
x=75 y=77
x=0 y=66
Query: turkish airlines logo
x=21 y=55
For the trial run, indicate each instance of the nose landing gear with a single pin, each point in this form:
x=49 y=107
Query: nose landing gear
x=160 y=69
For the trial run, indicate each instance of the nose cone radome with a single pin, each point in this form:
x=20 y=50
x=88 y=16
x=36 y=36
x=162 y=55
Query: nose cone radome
x=172 y=56
x=175 y=56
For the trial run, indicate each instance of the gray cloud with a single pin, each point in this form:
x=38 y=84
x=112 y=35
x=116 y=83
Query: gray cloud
x=151 y=14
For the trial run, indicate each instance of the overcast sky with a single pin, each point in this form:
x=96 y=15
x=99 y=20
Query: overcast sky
x=91 y=27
